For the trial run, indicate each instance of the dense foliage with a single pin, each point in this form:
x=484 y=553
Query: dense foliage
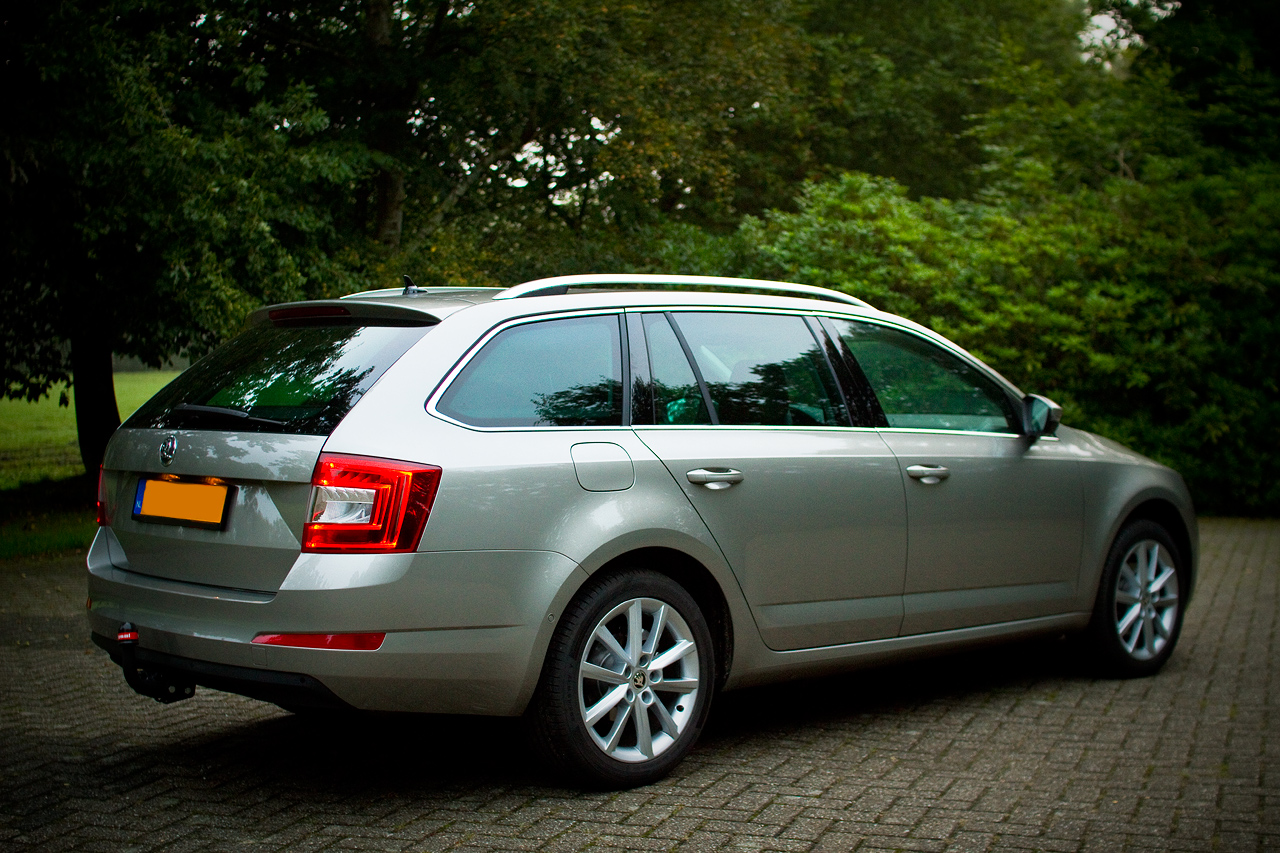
x=1096 y=216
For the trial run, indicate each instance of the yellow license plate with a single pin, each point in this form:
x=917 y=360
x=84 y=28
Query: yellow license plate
x=190 y=504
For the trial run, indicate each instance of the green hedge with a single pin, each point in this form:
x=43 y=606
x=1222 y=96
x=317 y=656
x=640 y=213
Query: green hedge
x=1147 y=310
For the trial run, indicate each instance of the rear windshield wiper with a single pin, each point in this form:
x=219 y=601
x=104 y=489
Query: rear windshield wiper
x=194 y=412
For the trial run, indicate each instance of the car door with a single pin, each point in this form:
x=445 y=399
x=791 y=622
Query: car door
x=995 y=517
x=807 y=509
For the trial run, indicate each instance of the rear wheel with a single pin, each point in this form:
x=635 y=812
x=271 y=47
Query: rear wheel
x=627 y=683
x=1138 y=614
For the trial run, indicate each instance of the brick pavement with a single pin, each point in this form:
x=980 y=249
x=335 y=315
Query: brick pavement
x=1014 y=748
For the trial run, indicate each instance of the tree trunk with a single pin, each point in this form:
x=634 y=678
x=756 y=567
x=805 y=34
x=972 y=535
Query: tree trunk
x=387 y=126
x=97 y=414
x=391 y=197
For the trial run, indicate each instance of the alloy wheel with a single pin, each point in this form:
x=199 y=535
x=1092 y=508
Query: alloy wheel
x=638 y=680
x=1146 y=599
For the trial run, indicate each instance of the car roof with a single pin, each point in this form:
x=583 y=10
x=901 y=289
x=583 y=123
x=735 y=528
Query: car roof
x=429 y=305
x=432 y=304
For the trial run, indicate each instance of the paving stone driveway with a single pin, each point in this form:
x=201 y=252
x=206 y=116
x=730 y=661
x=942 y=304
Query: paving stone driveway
x=1014 y=748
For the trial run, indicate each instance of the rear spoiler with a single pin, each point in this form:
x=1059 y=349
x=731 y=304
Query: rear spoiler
x=334 y=312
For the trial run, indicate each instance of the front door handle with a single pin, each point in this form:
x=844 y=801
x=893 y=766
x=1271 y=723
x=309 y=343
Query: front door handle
x=928 y=474
x=714 y=478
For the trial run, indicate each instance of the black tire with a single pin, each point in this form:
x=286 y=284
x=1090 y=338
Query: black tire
x=1131 y=634
x=610 y=752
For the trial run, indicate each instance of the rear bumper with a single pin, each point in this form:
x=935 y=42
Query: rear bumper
x=289 y=689
x=466 y=631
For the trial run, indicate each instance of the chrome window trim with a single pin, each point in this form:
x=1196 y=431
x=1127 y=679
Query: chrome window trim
x=449 y=378
x=757 y=427
x=721 y=309
x=939 y=431
x=450 y=420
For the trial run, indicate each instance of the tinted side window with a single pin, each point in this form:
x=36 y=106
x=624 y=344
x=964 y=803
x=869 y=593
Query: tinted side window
x=550 y=373
x=921 y=386
x=763 y=369
x=677 y=399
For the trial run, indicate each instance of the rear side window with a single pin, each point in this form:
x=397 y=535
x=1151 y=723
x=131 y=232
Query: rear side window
x=550 y=373
x=763 y=369
x=298 y=380
x=921 y=386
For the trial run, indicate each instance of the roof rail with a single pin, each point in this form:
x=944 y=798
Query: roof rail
x=561 y=284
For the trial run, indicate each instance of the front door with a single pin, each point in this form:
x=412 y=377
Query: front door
x=995 y=517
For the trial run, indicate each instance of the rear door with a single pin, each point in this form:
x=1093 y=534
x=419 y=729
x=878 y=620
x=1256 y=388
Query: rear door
x=807 y=508
x=995 y=518
x=208 y=482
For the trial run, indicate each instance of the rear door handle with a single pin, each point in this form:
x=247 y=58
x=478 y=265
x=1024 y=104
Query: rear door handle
x=714 y=478
x=928 y=474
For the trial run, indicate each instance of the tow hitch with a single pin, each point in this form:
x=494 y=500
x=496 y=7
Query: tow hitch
x=161 y=685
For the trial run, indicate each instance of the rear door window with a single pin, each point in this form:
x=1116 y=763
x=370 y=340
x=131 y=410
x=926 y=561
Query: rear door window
x=677 y=397
x=763 y=369
x=293 y=379
x=550 y=373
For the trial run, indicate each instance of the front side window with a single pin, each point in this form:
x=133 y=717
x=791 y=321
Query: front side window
x=564 y=373
x=921 y=386
x=763 y=369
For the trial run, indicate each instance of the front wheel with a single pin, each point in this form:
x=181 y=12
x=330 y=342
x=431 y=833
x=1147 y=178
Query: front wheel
x=627 y=683
x=1138 y=615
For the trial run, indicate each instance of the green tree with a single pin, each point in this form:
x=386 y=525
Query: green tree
x=889 y=88
x=128 y=227
x=172 y=165
x=1221 y=57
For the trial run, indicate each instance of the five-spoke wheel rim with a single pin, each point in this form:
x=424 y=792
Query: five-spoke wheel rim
x=638 y=680
x=1146 y=601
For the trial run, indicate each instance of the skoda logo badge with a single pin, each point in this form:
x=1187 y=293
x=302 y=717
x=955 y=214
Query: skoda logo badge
x=168 y=449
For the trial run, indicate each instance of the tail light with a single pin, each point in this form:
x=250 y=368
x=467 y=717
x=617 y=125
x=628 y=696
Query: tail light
x=102 y=500
x=360 y=504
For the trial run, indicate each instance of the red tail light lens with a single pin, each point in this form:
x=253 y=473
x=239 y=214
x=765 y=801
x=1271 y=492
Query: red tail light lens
x=360 y=504
x=102 y=500
x=344 y=642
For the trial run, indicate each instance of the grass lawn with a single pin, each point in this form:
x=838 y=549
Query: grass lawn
x=38 y=440
x=46 y=499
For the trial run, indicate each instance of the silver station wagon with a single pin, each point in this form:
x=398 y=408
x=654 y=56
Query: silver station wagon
x=596 y=501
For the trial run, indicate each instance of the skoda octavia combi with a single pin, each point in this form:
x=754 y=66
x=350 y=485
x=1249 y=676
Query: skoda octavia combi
x=597 y=501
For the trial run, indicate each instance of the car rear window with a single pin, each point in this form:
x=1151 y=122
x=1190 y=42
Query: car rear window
x=292 y=379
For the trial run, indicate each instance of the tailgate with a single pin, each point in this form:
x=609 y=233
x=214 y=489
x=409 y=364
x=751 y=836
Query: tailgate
x=268 y=480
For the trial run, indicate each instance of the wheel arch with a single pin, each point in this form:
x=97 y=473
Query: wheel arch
x=699 y=581
x=1165 y=513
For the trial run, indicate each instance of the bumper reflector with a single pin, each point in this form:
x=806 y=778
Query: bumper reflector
x=343 y=642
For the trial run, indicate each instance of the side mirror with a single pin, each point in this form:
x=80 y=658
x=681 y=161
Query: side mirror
x=1040 y=416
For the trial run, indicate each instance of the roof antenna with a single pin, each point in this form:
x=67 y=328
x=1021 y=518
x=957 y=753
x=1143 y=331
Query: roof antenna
x=410 y=288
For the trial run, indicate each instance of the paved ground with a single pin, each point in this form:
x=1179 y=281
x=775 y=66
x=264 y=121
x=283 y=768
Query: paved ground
x=1009 y=749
